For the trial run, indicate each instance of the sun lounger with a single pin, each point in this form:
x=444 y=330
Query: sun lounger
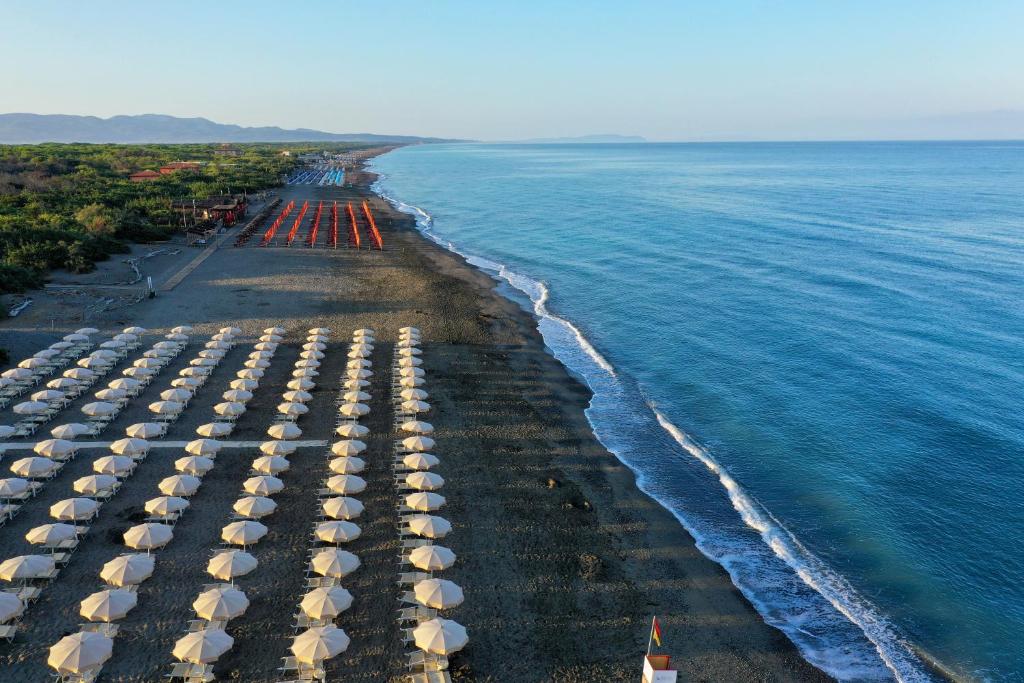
x=109 y=630
x=8 y=631
x=413 y=577
x=430 y=677
x=191 y=672
x=26 y=593
x=429 y=662
x=416 y=614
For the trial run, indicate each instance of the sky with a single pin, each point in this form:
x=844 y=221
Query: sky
x=682 y=70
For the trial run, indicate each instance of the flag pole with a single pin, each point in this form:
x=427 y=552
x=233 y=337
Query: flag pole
x=650 y=638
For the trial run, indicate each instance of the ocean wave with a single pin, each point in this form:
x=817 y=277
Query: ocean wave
x=836 y=660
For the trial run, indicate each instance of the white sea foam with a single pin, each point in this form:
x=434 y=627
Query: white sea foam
x=896 y=657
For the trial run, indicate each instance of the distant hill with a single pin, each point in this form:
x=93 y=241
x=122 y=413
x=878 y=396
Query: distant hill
x=157 y=128
x=580 y=139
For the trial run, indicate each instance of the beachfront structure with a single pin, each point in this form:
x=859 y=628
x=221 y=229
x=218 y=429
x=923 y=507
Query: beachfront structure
x=144 y=176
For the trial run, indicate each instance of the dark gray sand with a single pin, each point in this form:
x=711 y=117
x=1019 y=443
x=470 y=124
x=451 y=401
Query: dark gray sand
x=562 y=559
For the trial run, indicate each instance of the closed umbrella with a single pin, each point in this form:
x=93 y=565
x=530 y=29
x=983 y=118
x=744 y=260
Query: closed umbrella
x=418 y=443
x=80 y=653
x=348 y=465
x=244 y=384
x=26 y=567
x=229 y=408
x=270 y=464
x=334 y=563
x=179 y=395
x=148 y=536
x=74 y=509
x=424 y=501
x=220 y=604
x=108 y=605
x=346 y=484
x=243 y=533
x=116 y=465
x=145 y=430
x=50 y=535
x=337 y=531
x=33 y=467
x=263 y=485
x=237 y=396
x=292 y=409
x=316 y=644
x=11 y=607
x=326 y=602
x=350 y=431
x=342 y=507
x=348 y=447
x=282 y=448
x=284 y=431
x=132 y=445
x=207 y=447
x=54 y=448
x=418 y=427
x=94 y=484
x=440 y=636
x=179 y=485
x=354 y=409
x=438 y=593
x=31 y=408
x=128 y=570
x=229 y=564
x=424 y=481
x=166 y=505
x=203 y=647
x=431 y=558
x=12 y=486
x=356 y=396
x=196 y=465
x=214 y=429
x=429 y=526
x=420 y=461
x=254 y=507
x=301 y=384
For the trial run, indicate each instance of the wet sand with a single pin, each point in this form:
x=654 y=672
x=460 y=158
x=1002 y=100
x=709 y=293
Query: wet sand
x=562 y=559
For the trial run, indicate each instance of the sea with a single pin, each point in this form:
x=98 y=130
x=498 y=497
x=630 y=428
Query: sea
x=810 y=353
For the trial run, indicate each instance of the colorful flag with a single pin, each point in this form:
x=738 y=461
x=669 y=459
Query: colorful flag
x=656 y=631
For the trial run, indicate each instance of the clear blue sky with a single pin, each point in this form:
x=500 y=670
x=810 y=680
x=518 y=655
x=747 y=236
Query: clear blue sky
x=667 y=70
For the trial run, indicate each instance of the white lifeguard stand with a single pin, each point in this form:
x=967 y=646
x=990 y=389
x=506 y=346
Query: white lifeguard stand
x=657 y=669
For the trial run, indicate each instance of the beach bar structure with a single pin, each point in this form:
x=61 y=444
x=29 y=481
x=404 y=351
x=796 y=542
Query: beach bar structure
x=224 y=208
x=657 y=669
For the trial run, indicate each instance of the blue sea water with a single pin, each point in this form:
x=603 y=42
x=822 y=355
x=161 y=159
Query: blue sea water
x=810 y=353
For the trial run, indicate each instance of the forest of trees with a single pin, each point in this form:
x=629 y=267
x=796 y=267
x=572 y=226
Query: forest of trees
x=70 y=205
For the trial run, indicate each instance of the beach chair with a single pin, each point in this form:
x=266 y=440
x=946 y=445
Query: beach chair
x=417 y=614
x=426 y=660
x=109 y=630
x=413 y=577
x=430 y=677
x=8 y=631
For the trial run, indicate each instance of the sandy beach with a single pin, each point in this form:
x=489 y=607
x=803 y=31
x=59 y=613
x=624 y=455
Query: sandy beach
x=562 y=559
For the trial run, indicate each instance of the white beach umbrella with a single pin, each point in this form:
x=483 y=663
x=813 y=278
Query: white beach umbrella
x=134 y=330
x=115 y=465
x=314 y=346
x=351 y=431
x=111 y=394
x=249 y=373
x=415 y=407
x=61 y=345
x=263 y=485
x=179 y=337
x=13 y=486
x=261 y=355
x=237 y=396
x=182 y=329
x=130 y=446
x=138 y=372
x=166 y=505
x=334 y=563
x=318 y=643
x=188 y=383
x=49 y=395
x=76 y=337
x=409 y=362
x=244 y=532
x=11 y=607
x=265 y=346
x=440 y=636
x=207 y=447
x=113 y=344
x=411 y=372
x=80 y=653
x=431 y=558
x=179 y=395
x=179 y=485
x=411 y=382
x=354 y=409
x=254 y=507
x=429 y=526
x=270 y=464
x=196 y=465
x=220 y=604
x=92 y=363
x=271 y=338
x=348 y=465
x=286 y=431
x=342 y=507
x=150 y=363
x=55 y=448
x=318 y=330
x=63 y=383
x=126 y=337
x=306 y=373
x=274 y=330
x=312 y=353
x=128 y=570
x=46 y=353
x=74 y=509
x=348 y=447
x=204 y=362
x=360 y=351
x=145 y=430
x=243 y=384
x=87 y=330
x=409 y=351
x=364 y=331
x=33 y=467
x=166 y=407
x=282 y=448
x=292 y=409
x=420 y=461
x=297 y=396
x=52 y=534
x=424 y=481
x=417 y=427
x=337 y=531
x=229 y=330
x=125 y=384
x=438 y=593
x=26 y=567
x=418 y=443
x=307 y=363
x=31 y=408
x=257 y=363
x=326 y=602
x=229 y=408
x=362 y=339
x=356 y=396
x=217 y=344
x=408 y=330
x=354 y=373
x=203 y=647
x=425 y=501
x=148 y=536
x=414 y=395
x=108 y=605
x=7 y=431
x=195 y=371
x=318 y=338
x=94 y=484
x=166 y=346
x=358 y=363
x=214 y=429
x=17 y=374
x=301 y=384
x=229 y=564
x=346 y=484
